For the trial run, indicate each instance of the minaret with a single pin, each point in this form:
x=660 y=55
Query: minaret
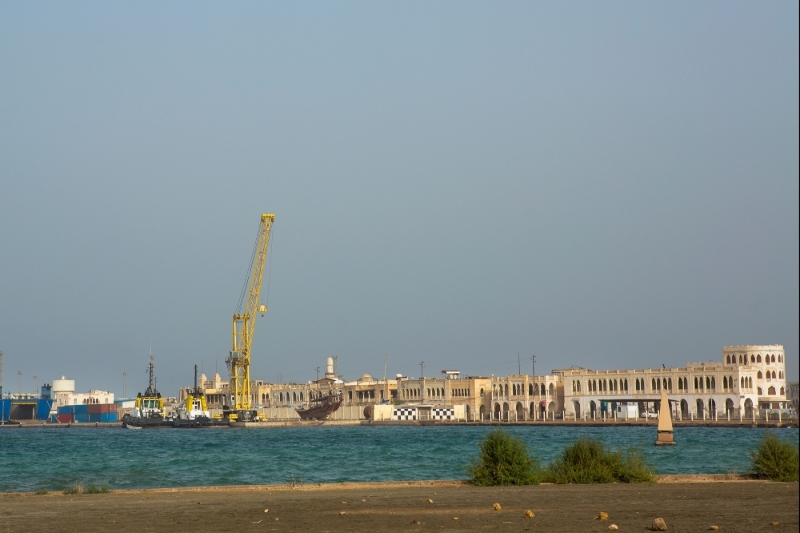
x=665 y=436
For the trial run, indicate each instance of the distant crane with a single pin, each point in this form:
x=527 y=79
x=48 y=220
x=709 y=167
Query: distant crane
x=244 y=325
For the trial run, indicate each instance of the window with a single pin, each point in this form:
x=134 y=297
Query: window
x=758 y=359
x=773 y=358
x=753 y=359
x=695 y=384
x=760 y=392
x=637 y=383
x=653 y=387
x=760 y=375
x=771 y=391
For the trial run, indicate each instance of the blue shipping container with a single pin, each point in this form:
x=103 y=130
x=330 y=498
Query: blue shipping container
x=95 y=417
x=81 y=409
x=81 y=417
x=109 y=417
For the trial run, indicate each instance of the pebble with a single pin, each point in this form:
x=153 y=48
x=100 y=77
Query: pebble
x=341 y=513
x=713 y=528
x=602 y=516
x=415 y=521
x=266 y=510
x=496 y=507
x=529 y=514
x=776 y=523
x=613 y=527
x=455 y=518
x=659 y=525
x=430 y=501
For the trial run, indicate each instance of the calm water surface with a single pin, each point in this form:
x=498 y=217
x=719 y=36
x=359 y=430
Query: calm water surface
x=31 y=459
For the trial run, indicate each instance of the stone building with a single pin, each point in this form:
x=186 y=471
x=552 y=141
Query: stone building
x=748 y=381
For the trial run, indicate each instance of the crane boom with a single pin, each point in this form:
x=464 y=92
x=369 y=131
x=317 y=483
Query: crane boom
x=244 y=326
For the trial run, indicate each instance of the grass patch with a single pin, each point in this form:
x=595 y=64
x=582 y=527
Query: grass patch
x=775 y=459
x=590 y=461
x=94 y=489
x=42 y=492
x=77 y=488
x=503 y=460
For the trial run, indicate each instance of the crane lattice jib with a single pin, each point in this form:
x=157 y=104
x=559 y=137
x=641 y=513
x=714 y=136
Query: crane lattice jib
x=244 y=325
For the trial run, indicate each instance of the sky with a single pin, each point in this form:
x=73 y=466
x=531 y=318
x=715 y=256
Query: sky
x=601 y=184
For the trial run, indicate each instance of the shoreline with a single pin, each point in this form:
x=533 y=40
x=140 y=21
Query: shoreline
x=364 y=485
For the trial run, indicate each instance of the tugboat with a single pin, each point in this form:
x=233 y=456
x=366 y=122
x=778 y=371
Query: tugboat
x=149 y=410
x=320 y=408
x=193 y=412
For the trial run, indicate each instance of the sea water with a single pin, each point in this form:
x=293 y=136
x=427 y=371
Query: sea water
x=54 y=459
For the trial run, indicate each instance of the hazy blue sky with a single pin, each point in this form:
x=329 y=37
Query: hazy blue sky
x=603 y=184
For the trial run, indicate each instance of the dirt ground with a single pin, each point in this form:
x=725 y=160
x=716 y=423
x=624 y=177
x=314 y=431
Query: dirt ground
x=733 y=506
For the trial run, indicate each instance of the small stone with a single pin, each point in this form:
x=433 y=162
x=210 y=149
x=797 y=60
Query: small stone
x=363 y=500
x=602 y=516
x=276 y=518
x=613 y=527
x=344 y=503
x=659 y=525
x=455 y=518
x=266 y=510
x=415 y=521
x=713 y=528
x=775 y=524
x=496 y=507
x=430 y=501
x=341 y=513
x=529 y=514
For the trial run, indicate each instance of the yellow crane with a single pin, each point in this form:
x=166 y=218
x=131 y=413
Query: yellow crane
x=244 y=325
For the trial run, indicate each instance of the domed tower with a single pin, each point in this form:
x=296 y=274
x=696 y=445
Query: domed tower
x=329 y=369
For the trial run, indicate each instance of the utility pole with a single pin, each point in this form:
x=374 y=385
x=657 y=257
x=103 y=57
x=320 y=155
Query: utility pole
x=124 y=384
x=421 y=369
x=317 y=373
x=519 y=368
x=34 y=385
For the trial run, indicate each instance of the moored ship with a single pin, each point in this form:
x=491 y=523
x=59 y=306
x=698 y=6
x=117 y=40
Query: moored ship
x=322 y=407
x=149 y=409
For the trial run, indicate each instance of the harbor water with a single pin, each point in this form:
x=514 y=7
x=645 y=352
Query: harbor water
x=41 y=458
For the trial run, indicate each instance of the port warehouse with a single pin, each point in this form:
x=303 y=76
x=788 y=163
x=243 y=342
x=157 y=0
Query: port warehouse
x=749 y=382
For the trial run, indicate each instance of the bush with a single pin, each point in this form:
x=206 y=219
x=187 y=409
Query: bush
x=42 y=492
x=503 y=460
x=77 y=488
x=94 y=489
x=775 y=459
x=590 y=461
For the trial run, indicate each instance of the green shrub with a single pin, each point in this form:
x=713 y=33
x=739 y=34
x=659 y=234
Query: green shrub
x=503 y=460
x=42 y=492
x=775 y=459
x=77 y=488
x=94 y=489
x=590 y=461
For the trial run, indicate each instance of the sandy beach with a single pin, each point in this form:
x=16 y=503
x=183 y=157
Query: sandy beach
x=695 y=505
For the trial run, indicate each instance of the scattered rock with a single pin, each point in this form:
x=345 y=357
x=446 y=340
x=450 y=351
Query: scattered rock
x=602 y=516
x=363 y=500
x=713 y=528
x=415 y=521
x=341 y=513
x=455 y=518
x=344 y=503
x=276 y=518
x=529 y=514
x=430 y=501
x=496 y=507
x=776 y=523
x=613 y=527
x=659 y=525
x=266 y=510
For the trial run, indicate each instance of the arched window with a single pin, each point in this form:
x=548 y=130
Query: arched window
x=579 y=386
x=637 y=384
x=740 y=359
x=758 y=359
x=773 y=358
x=779 y=358
x=773 y=374
x=783 y=391
x=695 y=383
x=708 y=383
x=530 y=389
x=771 y=391
x=753 y=359
x=664 y=380
x=542 y=390
x=760 y=375
x=780 y=374
x=760 y=392
x=653 y=384
x=626 y=385
x=713 y=383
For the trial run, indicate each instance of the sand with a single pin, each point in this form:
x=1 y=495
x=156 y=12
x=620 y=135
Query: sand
x=733 y=506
